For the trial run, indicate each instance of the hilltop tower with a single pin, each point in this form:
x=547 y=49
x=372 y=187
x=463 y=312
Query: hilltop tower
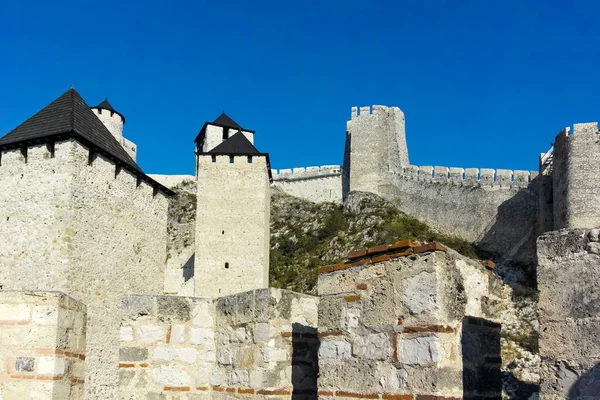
x=375 y=148
x=232 y=224
x=114 y=121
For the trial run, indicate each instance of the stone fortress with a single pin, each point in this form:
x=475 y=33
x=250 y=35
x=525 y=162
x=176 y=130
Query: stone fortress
x=92 y=306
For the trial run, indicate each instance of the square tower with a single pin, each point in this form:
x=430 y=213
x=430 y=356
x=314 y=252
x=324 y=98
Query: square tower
x=232 y=224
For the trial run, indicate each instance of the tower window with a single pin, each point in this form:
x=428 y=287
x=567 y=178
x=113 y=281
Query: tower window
x=230 y=159
x=249 y=159
x=214 y=158
x=225 y=133
x=226 y=265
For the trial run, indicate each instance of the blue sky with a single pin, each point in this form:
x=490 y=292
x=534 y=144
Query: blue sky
x=482 y=83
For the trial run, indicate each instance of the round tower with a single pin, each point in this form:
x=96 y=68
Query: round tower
x=111 y=118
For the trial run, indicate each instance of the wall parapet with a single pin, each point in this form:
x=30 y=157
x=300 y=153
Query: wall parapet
x=292 y=174
x=478 y=177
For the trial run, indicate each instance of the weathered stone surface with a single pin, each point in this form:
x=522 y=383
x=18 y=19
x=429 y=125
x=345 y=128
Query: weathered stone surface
x=419 y=351
x=133 y=354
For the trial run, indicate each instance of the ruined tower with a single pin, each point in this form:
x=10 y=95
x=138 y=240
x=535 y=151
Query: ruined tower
x=375 y=148
x=232 y=224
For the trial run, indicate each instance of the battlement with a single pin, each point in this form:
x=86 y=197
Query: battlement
x=504 y=178
x=292 y=174
x=71 y=156
x=357 y=112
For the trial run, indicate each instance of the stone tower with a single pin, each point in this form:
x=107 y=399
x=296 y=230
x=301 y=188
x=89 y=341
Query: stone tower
x=114 y=121
x=375 y=148
x=80 y=216
x=232 y=224
x=576 y=188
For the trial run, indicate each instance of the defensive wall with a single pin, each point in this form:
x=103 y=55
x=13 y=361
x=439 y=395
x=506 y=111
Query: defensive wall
x=100 y=232
x=317 y=184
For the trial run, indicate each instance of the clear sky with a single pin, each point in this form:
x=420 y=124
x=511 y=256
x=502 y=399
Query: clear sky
x=482 y=83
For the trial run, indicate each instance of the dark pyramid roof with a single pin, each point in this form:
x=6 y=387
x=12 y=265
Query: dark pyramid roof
x=226 y=121
x=68 y=116
x=236 y=144
x=105 y=105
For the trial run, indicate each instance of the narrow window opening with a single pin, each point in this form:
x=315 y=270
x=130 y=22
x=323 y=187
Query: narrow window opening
x=223 y=232
x=225 y=133
x=226 y=265
x=0 y=158
x=117 y=170
x=214 y=158
x=91 y=157
x=249 y=159
x=50 y=147
x=230 y=159
x=24 y=153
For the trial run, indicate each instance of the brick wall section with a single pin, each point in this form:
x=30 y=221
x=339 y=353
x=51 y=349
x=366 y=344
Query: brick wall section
x=391 y=321
x=42 y=346
x=258 y=344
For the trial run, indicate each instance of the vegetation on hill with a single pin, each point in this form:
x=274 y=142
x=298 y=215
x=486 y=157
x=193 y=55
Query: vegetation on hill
x=305 y=235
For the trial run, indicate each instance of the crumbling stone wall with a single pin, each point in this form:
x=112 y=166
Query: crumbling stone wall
x=256 y=344
x=569 y=305
x=391 y=324
x=42 y=346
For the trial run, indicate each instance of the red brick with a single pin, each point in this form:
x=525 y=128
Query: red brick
x=402 y=244
x=218 y=389
x=341 y=267
x=397 y=396
x=246 y=391
x=362 y=286
x=350 y=299
x=405 y=253
x=433 y=246
x=382 y=248
x=177 y=388
x=428 y=328
x=357 y=254
x=278 y=392
x=360 y=263
x=169 y=333
x=325 y=393
x=489 y=264
x=330 y=333
x=340 y=393
x=126 y=365
x=325 y=270
x=381 y=258
x=230 y=390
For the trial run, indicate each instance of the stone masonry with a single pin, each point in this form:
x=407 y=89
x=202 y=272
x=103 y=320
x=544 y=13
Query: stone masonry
x=568 y=276
x=409 y=321
x=42 y=346
x=259 y=344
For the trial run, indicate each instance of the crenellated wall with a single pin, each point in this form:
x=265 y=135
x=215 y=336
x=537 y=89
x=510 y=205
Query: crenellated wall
x=84 y=226
x=317 y=184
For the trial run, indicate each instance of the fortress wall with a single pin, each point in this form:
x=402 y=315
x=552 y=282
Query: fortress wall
x=256 y=344
x=167 y=347
x=171 y=181
x=316 y=184
x=42 y=346
x=130 y=148
x=35 y=217
x=477 y=205
x=569 y=314
x=232 y=225
x=408 y=323
x=575 y=177
x=118 y=242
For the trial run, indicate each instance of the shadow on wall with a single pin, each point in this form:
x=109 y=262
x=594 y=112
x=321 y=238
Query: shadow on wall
x=587 y=386
x=513 y=233
x=480 y=342
x=305 y=362
x=188 y=268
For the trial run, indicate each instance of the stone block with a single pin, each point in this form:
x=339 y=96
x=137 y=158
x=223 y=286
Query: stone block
x=419 y=351
x=425 y=173
x=487 y=176
x=15 y=312
x=441 y=174
x=133 y=307
x=472 y=176
x=26 y=364
x=504 y=177
x=570 y=339
x=188 y=355
x=202 y=336
x=133 y=354
x=456 y=175
x=164 y=354
x=170 y=375
x=271 y=354
x=51 y=365
x=172 y=308
x=151 y=333
x=377 y=346
x=177 y=334
x=334 y=349
x=337 y=282
x=126 y=333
